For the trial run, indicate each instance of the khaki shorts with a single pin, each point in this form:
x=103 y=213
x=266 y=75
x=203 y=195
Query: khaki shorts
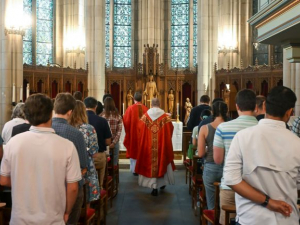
x=226 y=198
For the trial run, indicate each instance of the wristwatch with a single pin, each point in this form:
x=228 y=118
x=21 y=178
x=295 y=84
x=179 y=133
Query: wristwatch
x=266 y=202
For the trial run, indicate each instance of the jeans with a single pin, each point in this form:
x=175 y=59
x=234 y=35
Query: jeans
x=212 y=173
x=116 y=153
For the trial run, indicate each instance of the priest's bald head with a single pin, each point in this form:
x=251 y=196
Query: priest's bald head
x=155 y=102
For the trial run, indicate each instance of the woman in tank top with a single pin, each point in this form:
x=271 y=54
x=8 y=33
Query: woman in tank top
x=212 y=172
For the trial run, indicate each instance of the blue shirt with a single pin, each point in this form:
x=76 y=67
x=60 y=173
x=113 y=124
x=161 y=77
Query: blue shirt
x=225 y=133
x=102 y=128
x=65 y=130
x=1 y=140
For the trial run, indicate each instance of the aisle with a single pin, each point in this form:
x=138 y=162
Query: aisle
x=135 y=206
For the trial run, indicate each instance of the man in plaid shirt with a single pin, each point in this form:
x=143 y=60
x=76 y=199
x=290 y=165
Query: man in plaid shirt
x=296 y=127
x=114 y=119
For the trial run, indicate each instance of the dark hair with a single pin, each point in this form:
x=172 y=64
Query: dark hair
x=106 y=96
x=38 y=109
x=279 y=100
x=99 y=108
x=260 y=100
x=205 y=99
x=217 y=100
x=77 y=95
x=64 y=102
x=90 y=102
x=205 y=113
x=246 y=100
x=110 y=107
x=137 y=96
x=220 y=108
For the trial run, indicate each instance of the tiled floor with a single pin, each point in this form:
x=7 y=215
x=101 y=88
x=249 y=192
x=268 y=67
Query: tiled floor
x=135 y=206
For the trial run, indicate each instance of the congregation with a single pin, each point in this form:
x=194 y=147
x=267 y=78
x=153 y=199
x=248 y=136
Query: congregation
x=62 y=145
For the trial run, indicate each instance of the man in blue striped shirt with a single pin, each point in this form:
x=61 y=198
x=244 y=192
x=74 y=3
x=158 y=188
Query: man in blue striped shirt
x=245 y=105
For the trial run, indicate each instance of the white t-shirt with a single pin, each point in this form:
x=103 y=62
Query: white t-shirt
x=39 y=163
x=8 y=127
x=267 y=157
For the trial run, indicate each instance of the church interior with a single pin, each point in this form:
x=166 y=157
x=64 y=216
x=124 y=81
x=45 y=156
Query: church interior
x=173 y=50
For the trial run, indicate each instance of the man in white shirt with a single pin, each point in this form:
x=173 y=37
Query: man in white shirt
x=263 y=166
x=42 y=169
x=17 y=117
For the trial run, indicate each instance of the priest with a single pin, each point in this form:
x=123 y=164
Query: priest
x=155 y=157
x=130 y=120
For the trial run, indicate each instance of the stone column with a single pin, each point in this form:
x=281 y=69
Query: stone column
x=291 y=79
x=95 y=47
x=234 y=31
x=11 y=57
x=207 y=45
x=59 y=30
x=150 y=22
x=297 y=89
x=73 y=32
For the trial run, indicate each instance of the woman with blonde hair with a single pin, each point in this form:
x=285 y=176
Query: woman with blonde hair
x=114 y=119
x=79 y=120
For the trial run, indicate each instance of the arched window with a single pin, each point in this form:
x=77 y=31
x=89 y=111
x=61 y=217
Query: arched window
x=122 y=33
x=195 y=31
x=38 y=40
x=107 y=26
x=180 y=10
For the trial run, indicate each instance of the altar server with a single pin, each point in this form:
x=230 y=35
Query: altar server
x=131 y=118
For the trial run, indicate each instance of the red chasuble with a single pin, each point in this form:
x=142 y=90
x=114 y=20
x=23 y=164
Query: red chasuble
x=131 y=119
x=155 y=146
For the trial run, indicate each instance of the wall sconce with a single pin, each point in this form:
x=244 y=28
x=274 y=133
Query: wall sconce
x=77 y=51
x=17 y=22
x=13 y=30
x=226 y=50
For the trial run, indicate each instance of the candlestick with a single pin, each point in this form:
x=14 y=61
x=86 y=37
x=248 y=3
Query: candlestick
x=14 y=93
x=123 y=108
x=21 y=93
x=27 y=91
x=177 y=108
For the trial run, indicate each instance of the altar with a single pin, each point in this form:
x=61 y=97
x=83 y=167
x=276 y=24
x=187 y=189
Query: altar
x=176 y=138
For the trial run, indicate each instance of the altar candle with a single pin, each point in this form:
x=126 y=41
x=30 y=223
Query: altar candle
x=177 y=108
x=21 y=93
x=14 y=93
x=27 y=91
x=123 y=108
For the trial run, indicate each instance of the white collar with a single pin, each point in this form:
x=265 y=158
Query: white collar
x=154 y=113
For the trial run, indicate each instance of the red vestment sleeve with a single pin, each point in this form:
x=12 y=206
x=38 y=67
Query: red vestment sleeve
x=155 y=146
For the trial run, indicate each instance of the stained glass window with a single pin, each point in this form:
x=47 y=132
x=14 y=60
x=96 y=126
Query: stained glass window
x=107 y=18
x=27 y=38
x=43 y=36
x=44 y=31
x=180 y=33
x=122 y=33
x=195 y=31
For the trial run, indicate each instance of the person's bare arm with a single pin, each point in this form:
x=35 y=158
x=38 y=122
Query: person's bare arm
x=247 y=191
x=107 y=141
x=201 y=141
x=218 y=155
x=72 y=192
x=5 y=181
